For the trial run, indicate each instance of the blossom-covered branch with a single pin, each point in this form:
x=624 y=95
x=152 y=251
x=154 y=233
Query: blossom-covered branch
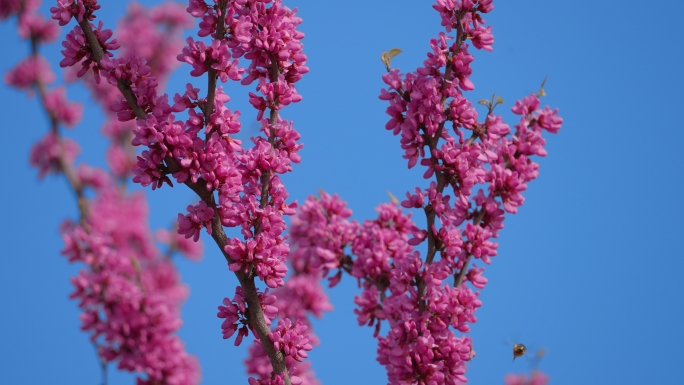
x=479 y=170
x=250 y=194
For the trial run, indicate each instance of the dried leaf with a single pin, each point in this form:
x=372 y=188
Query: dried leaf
x=541 y=89
x=394 y=52
x=385 y=58
x=393 y=198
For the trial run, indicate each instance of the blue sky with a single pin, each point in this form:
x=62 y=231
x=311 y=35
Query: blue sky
x=589 y=269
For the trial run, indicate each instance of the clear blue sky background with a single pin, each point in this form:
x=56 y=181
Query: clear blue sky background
x=590 y=269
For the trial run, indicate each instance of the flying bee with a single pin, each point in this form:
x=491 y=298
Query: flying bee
x=519 y=350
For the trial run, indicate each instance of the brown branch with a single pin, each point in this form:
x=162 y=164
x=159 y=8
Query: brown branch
x=432 y=142
x=97 y=53
x=212 y=73
x=72 y=178
x=247 y=281
x=256 y=315
x=66 y=168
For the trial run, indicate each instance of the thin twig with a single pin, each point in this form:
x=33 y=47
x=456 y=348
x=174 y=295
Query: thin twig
x=432 y=142
x=72 y=179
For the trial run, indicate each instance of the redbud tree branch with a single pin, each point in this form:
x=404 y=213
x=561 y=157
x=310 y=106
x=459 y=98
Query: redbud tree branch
x=71 y=176
x=213 y=74
x=432 y=142
x=64 y=166
x=256 y=316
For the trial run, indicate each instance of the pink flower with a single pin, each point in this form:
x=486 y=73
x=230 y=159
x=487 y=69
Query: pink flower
x=475 y=277
x=129 y=294
x=535 y=378
x=549 y=120
x=76 y=50
x=34 y=69
x=526 y=106
x=291 y=339
x=35 y=26
x=265 y=254
x=135 y=72
x=62 y=110
x=302 y=294
x=198 y=217
x=197 y=8
x=232 y=312
x=66 y=9
x=120 y=161
x=96 y=178
x=172 y=15
x=216 y=56
x=482 y=38
x=17 y=7
x=147 y=173
x=51 y=152
x=235 y=313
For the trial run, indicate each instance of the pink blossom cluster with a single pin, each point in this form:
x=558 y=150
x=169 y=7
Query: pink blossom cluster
x=236 y=316
x=216 y=56
x=19 y=8
x=46 y=155
x=198 y=216
x=129 y=292
x=293 y=341
x=387 y=267
x=250 y=193
x=162 y=28
x=81 y=10
x=50 y=154
x=61 y=109
x=239 y=175
x=535 y=378
x=319 y=232
x=28 y=72
x=37 y=27
x=76 y=50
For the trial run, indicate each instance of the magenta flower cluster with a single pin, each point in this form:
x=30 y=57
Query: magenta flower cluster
x=131 y=294
x=198 y=217
x=535 y=378
x=235 y=314
x=319 y=227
